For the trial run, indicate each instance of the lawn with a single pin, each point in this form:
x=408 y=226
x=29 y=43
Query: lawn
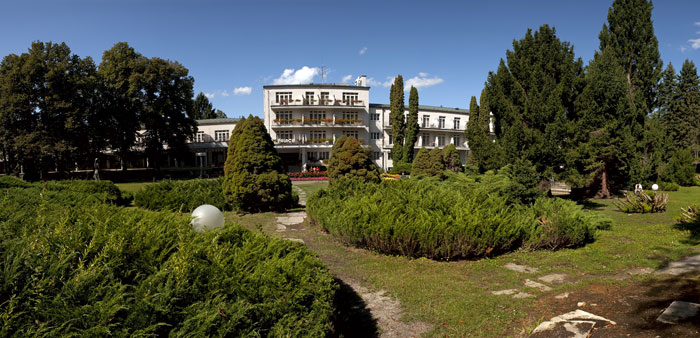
x=132 y=186
x=455 y=297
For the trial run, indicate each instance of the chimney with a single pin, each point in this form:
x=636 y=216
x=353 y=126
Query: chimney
x=361 y=81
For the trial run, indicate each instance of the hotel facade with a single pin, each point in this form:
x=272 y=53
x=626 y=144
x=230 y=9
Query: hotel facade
x=305 y=120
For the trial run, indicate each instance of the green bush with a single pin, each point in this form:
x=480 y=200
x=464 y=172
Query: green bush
x=100 y=270
x=642 y=202
x=454 y=218
x=349 y=160
x=680 y=168
x=12 y=182
x=181 y=195
x=690 y=216
x=666 y=186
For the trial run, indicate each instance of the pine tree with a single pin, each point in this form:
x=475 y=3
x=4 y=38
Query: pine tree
x=667 y=90
x=398 y=127
x=421 y=164
x=451 y=159
x=412 y=128
x=437 y=163
x=350 y=161
x=683 y=117
x=254 y=179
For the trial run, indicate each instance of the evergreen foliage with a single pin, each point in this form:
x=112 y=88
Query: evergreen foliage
x=680 y=168
x=202 y=109
x=437 y=163
x=451 y=158
x=412 y=128
x=254 y=179
x=182 y=196
x=683 y=115
x=396 y=117
x=524 y=182
x=350 y=161
x=421 y=164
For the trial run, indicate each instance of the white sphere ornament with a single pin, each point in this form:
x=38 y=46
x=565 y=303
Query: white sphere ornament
x=655 y=187
x=207 y=217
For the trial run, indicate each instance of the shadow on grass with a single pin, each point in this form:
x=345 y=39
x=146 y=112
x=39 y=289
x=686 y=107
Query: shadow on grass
x=694 y=232
x=590 y=204
x=352 y=318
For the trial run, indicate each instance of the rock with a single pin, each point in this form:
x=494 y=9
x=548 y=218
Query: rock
x=640 y=271
x=580 y=304
x=281 y=227
x=562 y=296
x=687 y=264
x=679 y=311
x=555 y=278
x=504 y=292
x=295 y=240
x=523 y=295
x=520 y=268
x=290 y=220
x=535 y=285
x=578 y=324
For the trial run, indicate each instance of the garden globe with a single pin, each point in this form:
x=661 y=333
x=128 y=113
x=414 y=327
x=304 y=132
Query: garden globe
x=655 y=187
x=207 y=217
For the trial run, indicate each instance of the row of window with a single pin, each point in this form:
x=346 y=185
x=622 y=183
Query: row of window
x=309 y=97
x=219 y=136
x=285 y=117
x=314 y=134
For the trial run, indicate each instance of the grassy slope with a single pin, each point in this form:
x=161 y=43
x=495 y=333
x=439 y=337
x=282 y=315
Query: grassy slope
x=456 y=296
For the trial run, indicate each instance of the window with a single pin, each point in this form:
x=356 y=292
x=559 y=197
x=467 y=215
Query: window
x=309 y=98
x=441 y=141
x=425 y=140
x=390 y=157
x=455 y=141
x=349 y=117
x=285 y=135
x=314 y=156
x=283 y=97
x=391 y=139
x=374 y=117
x=353 y=133
x=317 y=116
x=456 y=123
x=325 y=99
x=317 y=136
x=441 y=122
x=377 y=155
x=200 y=137
x=221 y=135
x=351 y=98
x=376 y=136
x=284 y=117
x=426 y=121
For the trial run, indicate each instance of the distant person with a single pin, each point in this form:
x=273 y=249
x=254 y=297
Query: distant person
x=638 y=188
x=96 y=175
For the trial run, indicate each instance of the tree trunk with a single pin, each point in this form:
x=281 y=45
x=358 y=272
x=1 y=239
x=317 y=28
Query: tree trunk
x=604 y=190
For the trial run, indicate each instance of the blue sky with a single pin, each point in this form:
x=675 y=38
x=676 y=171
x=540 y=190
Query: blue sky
x=233 y=48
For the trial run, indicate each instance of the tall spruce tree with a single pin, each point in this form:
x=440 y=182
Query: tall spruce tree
x=683 y=117
x=398 y=126
x=412 y=128
x=666 y=92
x=254 y=179
x=532 y=98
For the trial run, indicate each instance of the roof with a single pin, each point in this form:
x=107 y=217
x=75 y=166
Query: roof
x=426 y=108
x=217 y=121
x=317 y=85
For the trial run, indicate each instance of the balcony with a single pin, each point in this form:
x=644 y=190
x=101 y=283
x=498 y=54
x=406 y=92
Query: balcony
x=325 y=103
x=285 y=123
x=315 y=142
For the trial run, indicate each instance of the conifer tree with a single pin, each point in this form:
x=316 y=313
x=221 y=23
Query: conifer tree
x=350 y=161
x=451 y=159
x=437 y=163
x=254 y=179
x=398 y=127
x=412 y=128
x=421 y=164
x=472 y=133
x=666 y=92
x=683 y=117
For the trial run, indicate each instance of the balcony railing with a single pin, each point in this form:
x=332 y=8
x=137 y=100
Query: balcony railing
x=317 y=122
x=310 y=141
x=322 y=102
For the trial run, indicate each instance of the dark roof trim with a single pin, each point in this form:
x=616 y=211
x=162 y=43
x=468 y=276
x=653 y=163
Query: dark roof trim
x=425 y=108
x=217 y=121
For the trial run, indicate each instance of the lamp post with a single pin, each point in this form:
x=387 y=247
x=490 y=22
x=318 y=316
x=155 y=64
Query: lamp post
x=201 y=156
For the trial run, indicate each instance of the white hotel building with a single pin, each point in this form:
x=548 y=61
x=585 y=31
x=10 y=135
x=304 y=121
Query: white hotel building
x=305 y=120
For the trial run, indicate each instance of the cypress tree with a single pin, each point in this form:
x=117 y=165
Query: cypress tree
x=349 y=160
x=451 y=159
x=437 y=163
x=683 y=117
x=421 y=164
x=254 y=179
x=398 y=127
x=412 y=127
x=472 y=133
x=490 y=154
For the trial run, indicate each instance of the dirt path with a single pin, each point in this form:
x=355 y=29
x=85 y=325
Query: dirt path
x=361 y=311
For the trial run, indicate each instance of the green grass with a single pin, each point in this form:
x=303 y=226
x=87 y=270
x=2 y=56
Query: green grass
x=310 y=188
x=456 y=296
x=132 y=186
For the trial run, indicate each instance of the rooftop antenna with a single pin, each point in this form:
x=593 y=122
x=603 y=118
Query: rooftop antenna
x=323 y=74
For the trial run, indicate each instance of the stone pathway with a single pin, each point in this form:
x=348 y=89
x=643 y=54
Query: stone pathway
x=293 y=221
x=682 y=266
x=575 y=324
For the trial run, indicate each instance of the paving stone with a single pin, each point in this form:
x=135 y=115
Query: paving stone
x=520 y=268
x=295 y=240
x=687 y=264
x=640 y=271
x=535 y=285
x=562 y=296
x=281 y=227
x=555 y=278
x=580 y=304
x=679 y=311
x=523 y=295
x=578 y=324
x=504 y=292
x=290 y=220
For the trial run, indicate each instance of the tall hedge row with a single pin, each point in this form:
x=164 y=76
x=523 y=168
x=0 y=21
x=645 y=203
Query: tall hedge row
x=441 y=220
x=181 y=195
x=93 y=269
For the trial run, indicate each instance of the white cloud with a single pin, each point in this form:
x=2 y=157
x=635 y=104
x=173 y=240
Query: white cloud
x=697 y=23
x=346 y=78
x=694 y=43
x=242 y=91
x=303 y=75
x=224 y=93
x=683 y=49
x=422 y=81
x=363 y=50
x=372 y=82
x=209 y=95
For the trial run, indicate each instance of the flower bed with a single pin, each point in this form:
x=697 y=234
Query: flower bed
x=317 y=178
x=308 y=174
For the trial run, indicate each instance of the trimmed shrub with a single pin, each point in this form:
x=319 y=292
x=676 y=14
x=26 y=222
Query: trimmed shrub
x=450 y=156
x=437 y=164
x=182 y=195
x=447 y=219
x=254 y=179
x=349 y=160
x=666 y=186
x=421 y=164
x=643 y=203
x=101 y=270
x=12 y=182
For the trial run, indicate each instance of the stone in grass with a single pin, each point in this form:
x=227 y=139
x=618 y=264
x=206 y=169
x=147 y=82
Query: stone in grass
x=504 y=292
x=578 y=324
x=679 y=311
x=555 y=278
x=520 y=295
x=520 y=268
x=535 y=285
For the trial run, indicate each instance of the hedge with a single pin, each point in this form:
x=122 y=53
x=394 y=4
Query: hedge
x=447 y=220
x=181 y=195
x=95 y=269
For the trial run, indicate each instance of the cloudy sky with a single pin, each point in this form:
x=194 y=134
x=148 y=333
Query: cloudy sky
x=233 y=48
